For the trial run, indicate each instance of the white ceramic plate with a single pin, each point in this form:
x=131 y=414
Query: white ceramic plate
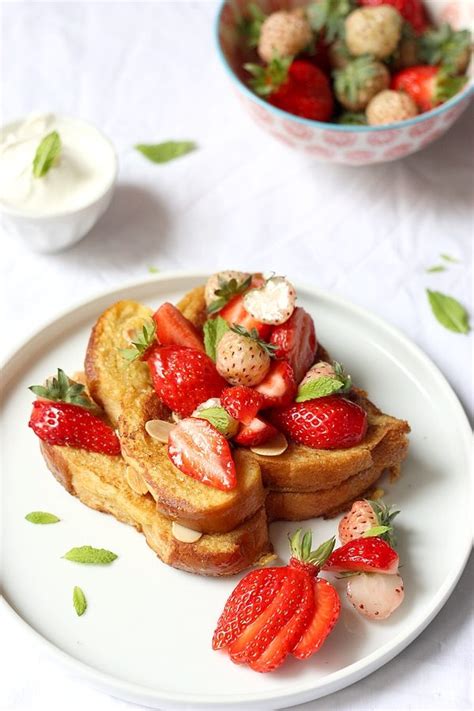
x=146 y=634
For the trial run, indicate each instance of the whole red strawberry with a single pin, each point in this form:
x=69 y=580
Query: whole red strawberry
x=72 y=426
x=274 y=612
x=242 y=403
x=297 y=86
x=412 y=11
x=184 y=378
x=331 y=422
x=295 y=340
x=428 y=86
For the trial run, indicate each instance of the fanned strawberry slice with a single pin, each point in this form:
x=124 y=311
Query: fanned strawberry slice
x=235 y=313
x=197 y=449
x=327 y=607
x=255 y=433
x=278 y=386
x=282 y=644
x=174 y=329
x=242 y=403
x=247 y=602
x=363 y=555
x=257 y=636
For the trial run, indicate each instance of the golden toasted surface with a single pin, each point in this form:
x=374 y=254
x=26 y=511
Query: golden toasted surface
x=108 y=374
x=177 y=495
x=99 y=481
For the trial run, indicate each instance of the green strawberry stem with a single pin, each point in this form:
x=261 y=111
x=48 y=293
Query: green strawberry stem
x=253 y=335
x=267 y=80
x=141 y=343
x=63 y=389
x=300 y=546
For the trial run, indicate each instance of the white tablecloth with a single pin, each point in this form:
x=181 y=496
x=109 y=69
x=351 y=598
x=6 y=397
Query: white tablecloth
x=147 y=72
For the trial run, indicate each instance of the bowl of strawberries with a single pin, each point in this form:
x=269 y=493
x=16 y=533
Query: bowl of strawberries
x=349 y=81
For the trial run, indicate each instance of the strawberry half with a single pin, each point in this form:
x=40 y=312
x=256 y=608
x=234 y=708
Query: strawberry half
x=242 y=403
x=331 y=422
x=235 y=313
x=174 y=329
x=295 y=340
x=364 y=555
x=278 y=386
x=64 y=424
x=256 y=432
x=197 y=449
x=327 y=606
x=184 y=377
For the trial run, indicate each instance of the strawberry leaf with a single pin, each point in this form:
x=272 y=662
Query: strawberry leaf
x=226 y=291
x=376 y=531
x=63 y=389
x=267 y=79
x=253 y=335
x=250 y=27
x=142 y=342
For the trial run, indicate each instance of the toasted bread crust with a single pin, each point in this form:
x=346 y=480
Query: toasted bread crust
x=99 y=482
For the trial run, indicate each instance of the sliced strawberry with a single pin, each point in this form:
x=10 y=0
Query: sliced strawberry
x=234 y=313
x=278 y=386
x=70 y=425
x=174 y=329
x=327 y=607
x=197 y=449
x=242 y=403
x=255 y=433
x=184 y=377
x=284 y=641
x=331 y=422
x=296 y=341
x=255 y=638
x=247 y=602
x=363 y=555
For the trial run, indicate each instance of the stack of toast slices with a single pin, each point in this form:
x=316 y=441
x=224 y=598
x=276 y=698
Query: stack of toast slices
x=143 y=488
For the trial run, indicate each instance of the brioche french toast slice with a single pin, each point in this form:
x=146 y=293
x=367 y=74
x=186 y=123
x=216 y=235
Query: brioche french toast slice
x=305 y=469
x=99 y=481
x=125 y=391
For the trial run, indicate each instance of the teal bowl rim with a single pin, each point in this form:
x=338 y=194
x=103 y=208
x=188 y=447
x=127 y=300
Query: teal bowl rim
x=466 y=93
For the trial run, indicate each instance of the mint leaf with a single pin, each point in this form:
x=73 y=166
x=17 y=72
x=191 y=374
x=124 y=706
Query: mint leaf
x=41 y=517
x=90 y=556
x=214 y=329
x=46 y=154
x=448 y=258
x=220 y=419
x=319 y=387
x=79 y=601
x=153 y=270
x=376 y=531
x=164 y=152
x=436 y=268
x=449 y=312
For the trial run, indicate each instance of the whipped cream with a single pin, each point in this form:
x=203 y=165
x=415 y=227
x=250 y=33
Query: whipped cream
x=85 y=169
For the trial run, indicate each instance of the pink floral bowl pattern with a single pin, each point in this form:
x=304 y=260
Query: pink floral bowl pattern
x=334 y=143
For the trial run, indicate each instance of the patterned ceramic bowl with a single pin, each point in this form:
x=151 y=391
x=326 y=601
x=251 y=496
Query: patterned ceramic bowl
x=352 y=145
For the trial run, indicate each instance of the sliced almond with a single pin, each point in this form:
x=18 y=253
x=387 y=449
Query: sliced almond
x=272 y=447
x=159 y=429
x=183 y=534
x=136 y=481
x=266 y=559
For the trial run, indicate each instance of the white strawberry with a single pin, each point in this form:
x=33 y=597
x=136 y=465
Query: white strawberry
x=365 y=515
x=242 y=358
x=319 y=370
x=273 y=303
x=221 y=280
x=375 y=595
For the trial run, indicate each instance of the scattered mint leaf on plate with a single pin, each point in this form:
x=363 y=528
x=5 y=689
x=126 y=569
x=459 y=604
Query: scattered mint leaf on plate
x=436 y=268
x=164 y=152
x=79 y=601
x=41 y=517
x=214 y=329
x=449 y=312
x=448 y=258
x=153 y=270
x=47 y=154
x=88 y=555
